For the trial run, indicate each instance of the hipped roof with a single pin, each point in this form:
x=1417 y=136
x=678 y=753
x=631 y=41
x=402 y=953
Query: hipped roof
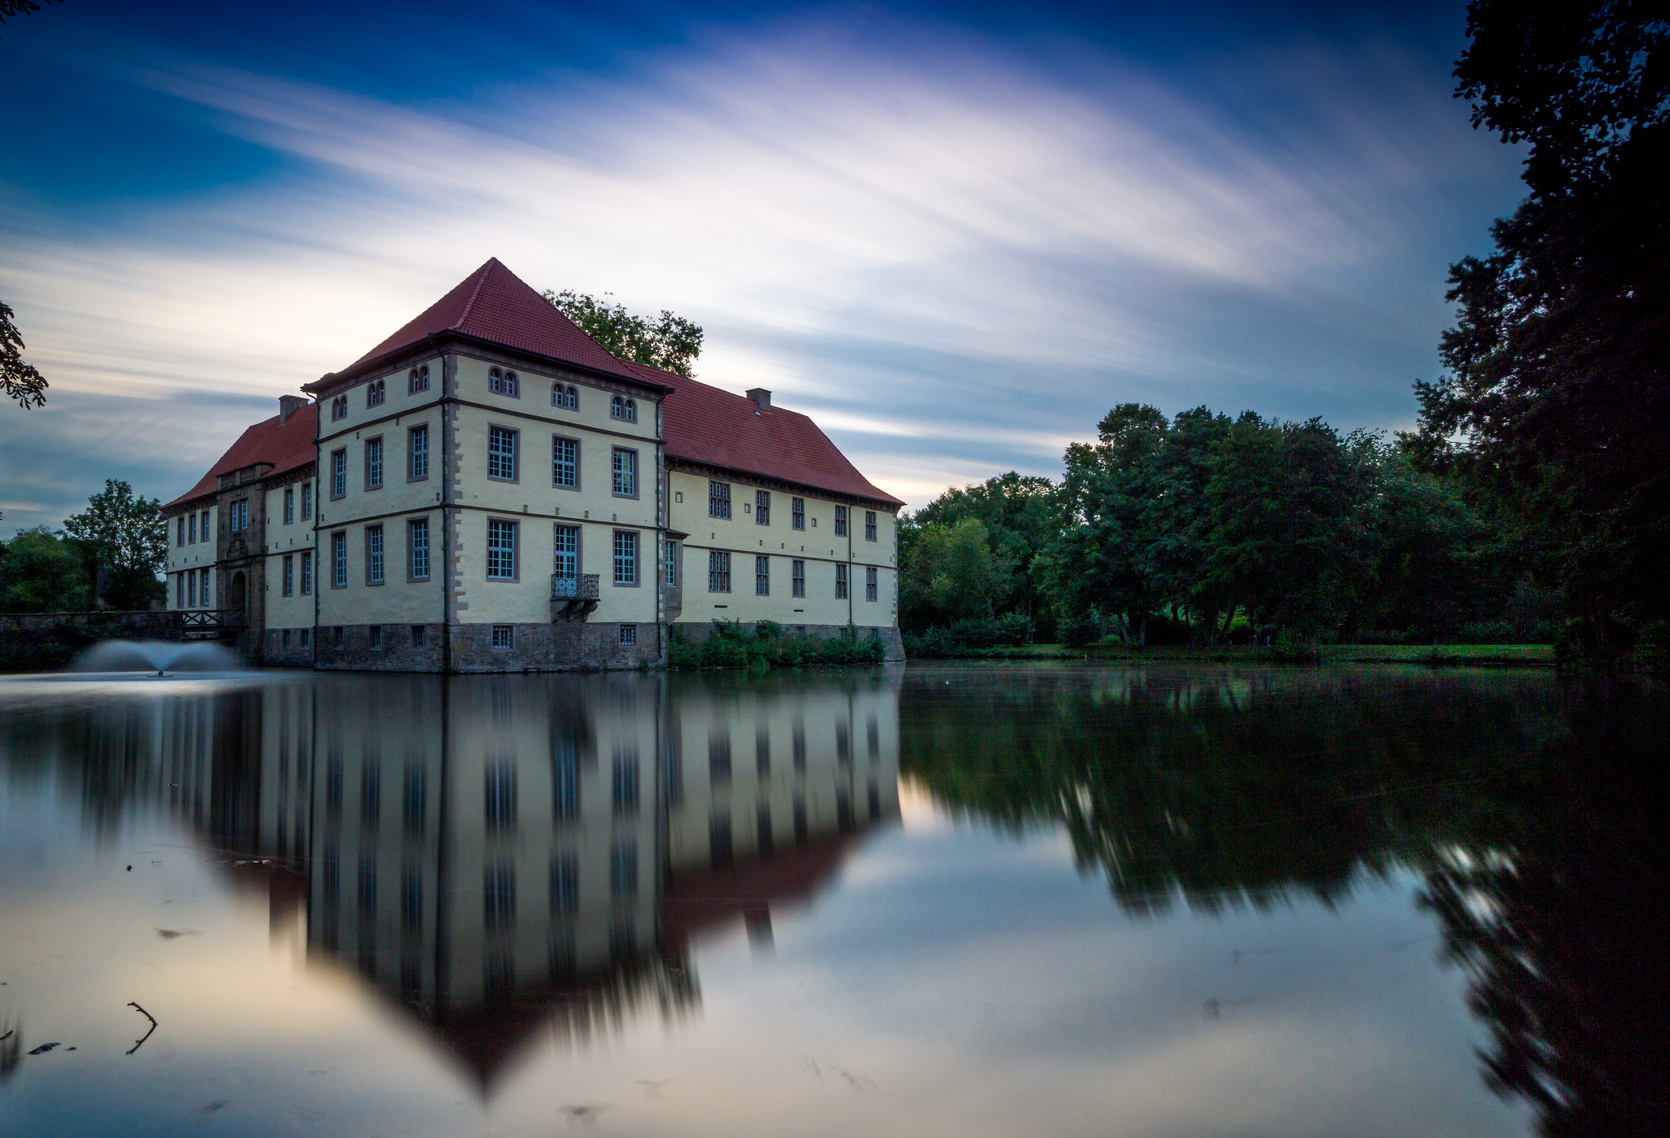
x=700 y=423
x=496 y=305
x=708 y=425
x=287 y=446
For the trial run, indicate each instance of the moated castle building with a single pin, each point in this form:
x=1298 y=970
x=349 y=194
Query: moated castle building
x=488 y=489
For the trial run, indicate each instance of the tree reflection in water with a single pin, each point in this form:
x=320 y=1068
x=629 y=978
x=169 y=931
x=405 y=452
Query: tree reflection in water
x=1531 y=809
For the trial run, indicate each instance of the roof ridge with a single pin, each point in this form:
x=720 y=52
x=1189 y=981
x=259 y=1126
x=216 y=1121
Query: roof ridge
x=483 y=273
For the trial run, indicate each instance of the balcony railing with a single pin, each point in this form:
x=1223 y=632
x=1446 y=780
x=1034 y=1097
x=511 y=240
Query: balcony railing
x=581 y=588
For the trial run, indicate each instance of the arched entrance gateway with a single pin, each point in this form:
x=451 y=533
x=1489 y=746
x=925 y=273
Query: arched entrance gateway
x=235 y=599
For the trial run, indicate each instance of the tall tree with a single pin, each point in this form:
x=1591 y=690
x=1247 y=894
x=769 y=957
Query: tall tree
x=669 y=342
x=128 y=536
x=1557 y=397
x=1019 y=514
x=19 y=380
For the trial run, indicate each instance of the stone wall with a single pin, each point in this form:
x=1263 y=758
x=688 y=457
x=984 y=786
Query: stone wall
x=555 y=647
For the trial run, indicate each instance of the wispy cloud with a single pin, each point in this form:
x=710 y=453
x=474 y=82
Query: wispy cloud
x=969 y=251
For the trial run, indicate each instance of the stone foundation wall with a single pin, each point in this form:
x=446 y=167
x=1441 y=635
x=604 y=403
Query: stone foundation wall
x=556 y=647
x=697 y=632
x=271 y=651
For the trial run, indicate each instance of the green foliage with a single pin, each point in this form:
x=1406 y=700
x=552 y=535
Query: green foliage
x=950 y=573
x=970 y=636
x=18 y=380
x=669 y=342
x=1556 y=404
x=128 y=537
x=43 y=572
x=1018 y=513
x=1207 y=529
x=767 y=645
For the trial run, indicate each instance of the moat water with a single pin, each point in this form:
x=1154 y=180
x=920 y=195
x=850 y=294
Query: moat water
x=919 y=900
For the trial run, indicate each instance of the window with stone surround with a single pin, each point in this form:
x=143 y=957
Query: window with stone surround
x=501 y=454
x=501 y=550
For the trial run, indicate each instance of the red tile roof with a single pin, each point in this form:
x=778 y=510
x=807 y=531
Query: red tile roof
x=702 y=424
x=286 y=445
x=495 y=304
x=716 y=428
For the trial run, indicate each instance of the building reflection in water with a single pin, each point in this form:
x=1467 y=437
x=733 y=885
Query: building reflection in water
x=509 y=857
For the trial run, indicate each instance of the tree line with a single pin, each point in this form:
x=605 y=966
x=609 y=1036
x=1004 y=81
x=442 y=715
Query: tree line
x=1533 y=499
x=107 y=556
x=1206 y=528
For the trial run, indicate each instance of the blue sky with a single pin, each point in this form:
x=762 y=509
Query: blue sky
x=956 y=235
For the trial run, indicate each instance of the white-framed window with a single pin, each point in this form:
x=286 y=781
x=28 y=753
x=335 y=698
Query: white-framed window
x=565 y=463
x=718 y=572
x=180 y=530
x=840 y=581
x=840 y=521
x=418 y=380
x=307 y=573
x=762 y=507
x=339 y=408
x=307 y=506
x=417 y=549
x=179 y=590
x=417 y=452
x=376 y=392
x=191 y=588
x=289 y=505
x=626 y=557
x=503 y=383
x=503 y=635
x=374 y=463
x=375 y=633
x=567 y=546
x=240 y=514
x=762 y=576
x=339 y=473
x=625 y=467
x=339 y=559
x=501 y=453
x=565 y=396
x=797 y=579
x=501 y=550
x=624 y=409
x=869 y=525
x=374 y=555
x=289 y=589
x=672 y=564
x=872 y=587
x=797 y=513
x=191 y=528
x=629 y=635
x=718 y=499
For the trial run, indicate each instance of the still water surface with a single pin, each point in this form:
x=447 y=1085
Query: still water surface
x=908 y=901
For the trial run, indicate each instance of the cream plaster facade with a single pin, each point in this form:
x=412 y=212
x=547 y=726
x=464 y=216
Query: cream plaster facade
x=818 y=546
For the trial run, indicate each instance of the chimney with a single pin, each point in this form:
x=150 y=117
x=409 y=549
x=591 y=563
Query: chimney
x=761 y=398
x=288 y=405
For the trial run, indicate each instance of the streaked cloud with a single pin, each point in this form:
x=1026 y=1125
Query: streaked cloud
x=954 y=252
